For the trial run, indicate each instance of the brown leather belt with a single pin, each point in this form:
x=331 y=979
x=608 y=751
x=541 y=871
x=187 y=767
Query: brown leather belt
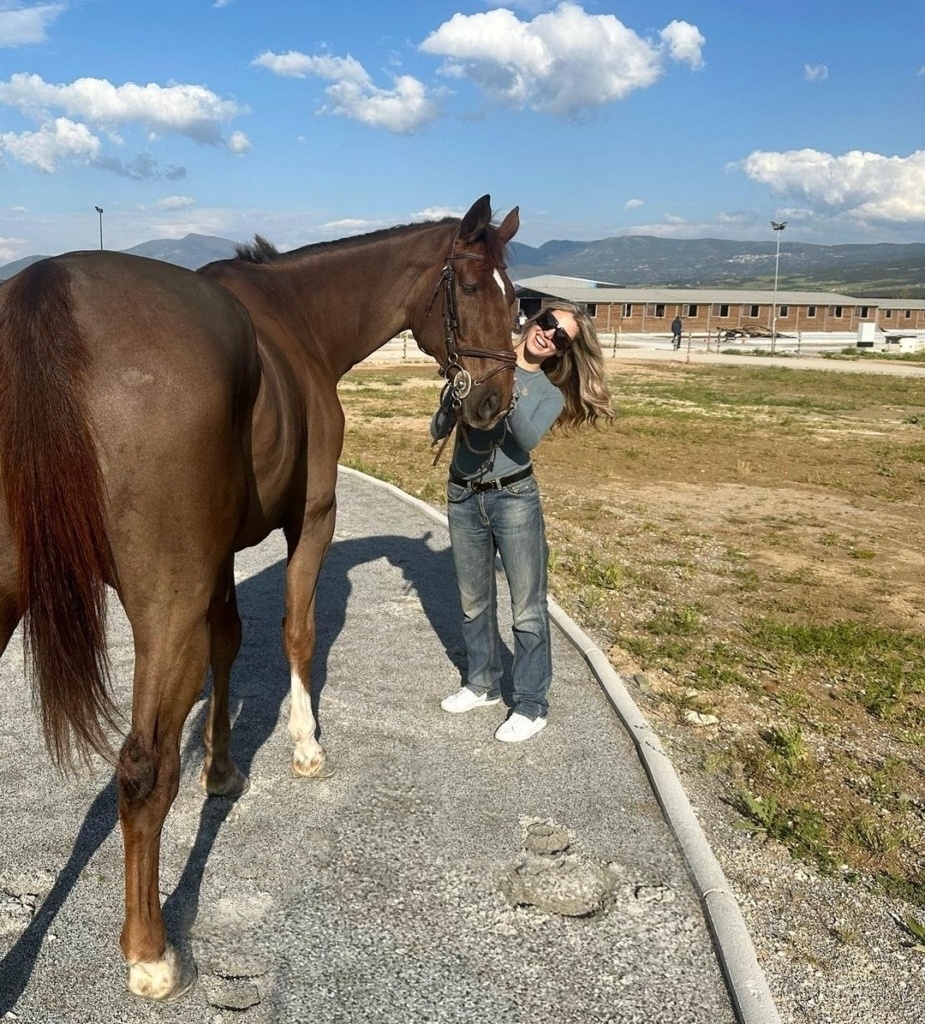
x=492 y=485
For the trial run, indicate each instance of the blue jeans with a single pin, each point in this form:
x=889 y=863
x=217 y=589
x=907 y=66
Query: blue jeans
x=509 y=521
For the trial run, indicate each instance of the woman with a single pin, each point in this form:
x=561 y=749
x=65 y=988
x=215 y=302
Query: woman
x=493 y=505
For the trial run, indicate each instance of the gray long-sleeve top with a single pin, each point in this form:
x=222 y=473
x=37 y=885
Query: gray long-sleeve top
x=505 y=449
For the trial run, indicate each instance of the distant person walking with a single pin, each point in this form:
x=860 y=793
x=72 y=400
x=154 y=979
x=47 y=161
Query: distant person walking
x=677 y=326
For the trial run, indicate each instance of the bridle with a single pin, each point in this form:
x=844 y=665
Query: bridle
x=459 y=381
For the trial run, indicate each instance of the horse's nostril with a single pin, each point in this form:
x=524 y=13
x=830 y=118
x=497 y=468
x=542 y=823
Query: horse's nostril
x=489 y=406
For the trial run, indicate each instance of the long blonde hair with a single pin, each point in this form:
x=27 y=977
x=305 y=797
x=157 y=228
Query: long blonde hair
x=578 y=372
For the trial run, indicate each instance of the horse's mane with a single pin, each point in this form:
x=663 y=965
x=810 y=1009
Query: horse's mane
x=258 y=251
x=263 y=251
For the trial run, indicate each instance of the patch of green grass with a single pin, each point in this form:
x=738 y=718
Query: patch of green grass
x=787 y=748
x=590 y=569
x=793 y=700
x=874 y=834
x=883 y=668
x=800 y=828
x=708 y=675
x=916 y=930
x=911 y=890
x=683 y=621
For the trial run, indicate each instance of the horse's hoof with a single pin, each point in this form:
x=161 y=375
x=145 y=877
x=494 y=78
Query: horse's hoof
x=235 y=785
x=318 y=766
x=165 y=980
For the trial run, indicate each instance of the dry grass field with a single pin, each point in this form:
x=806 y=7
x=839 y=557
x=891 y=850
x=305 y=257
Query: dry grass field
x=747 y=545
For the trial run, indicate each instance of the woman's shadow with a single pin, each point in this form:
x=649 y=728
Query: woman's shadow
x=260 y=684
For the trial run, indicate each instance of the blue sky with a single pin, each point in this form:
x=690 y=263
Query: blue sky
x=308 y=121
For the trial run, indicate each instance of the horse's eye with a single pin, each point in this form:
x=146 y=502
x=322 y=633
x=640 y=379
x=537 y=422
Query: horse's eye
x=470 y=289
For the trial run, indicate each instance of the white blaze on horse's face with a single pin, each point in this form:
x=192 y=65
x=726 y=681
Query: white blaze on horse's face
x=497 y=276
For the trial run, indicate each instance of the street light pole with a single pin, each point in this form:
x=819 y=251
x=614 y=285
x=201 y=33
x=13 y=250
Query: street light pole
x=99 y=210
x=778 y=227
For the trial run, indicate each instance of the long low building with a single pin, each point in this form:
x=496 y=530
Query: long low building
x=710 y=310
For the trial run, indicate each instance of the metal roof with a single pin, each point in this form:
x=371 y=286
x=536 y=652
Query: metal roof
x=576 y=290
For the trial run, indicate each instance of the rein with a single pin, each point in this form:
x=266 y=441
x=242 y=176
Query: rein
x=459 y=381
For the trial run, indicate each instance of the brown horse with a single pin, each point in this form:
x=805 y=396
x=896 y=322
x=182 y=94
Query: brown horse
x=153 y=421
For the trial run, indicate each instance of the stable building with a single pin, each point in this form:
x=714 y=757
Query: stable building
x=650 y=310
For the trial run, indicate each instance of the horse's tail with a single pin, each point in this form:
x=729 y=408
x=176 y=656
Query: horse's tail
x=54 y=491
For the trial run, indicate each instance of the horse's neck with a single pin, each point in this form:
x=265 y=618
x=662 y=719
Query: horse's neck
x=358 y=298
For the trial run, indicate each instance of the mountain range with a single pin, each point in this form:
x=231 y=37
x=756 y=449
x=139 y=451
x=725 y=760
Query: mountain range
x=883 y=270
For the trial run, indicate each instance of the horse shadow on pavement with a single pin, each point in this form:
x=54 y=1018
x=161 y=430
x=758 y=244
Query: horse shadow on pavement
x=259 y=686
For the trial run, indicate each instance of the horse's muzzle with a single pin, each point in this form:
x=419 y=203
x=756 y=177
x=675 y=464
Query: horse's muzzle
x=484 y=407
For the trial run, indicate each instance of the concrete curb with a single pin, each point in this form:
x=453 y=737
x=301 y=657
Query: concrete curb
x=735 y=951
x=748 y=987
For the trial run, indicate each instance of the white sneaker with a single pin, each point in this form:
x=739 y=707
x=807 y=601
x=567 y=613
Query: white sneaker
x=465 y=699
x=518 y=728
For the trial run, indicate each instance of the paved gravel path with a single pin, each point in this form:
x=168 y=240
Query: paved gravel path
x=385 y=893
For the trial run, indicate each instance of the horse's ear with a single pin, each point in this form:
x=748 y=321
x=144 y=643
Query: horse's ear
x=476 y=220
x=509 y=226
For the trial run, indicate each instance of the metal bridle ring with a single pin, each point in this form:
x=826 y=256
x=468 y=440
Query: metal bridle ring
x=462 y=384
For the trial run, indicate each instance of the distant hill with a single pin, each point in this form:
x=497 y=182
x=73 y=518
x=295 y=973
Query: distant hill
x=9 y=269
x=192 y=251
x=636 y=260
x=880 y=270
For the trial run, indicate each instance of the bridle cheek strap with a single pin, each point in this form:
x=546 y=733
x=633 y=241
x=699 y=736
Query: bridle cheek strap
x=459 y=381
x=447 y=285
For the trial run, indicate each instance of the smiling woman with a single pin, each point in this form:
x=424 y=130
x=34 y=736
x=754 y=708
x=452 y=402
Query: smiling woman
x=494 y=506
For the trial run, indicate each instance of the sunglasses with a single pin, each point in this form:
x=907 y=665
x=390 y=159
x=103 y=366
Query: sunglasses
x=560 y=338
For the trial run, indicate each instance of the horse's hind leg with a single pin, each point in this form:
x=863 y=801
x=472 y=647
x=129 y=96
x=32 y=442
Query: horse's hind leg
x=220 y=776
x=307 y=552
x=171 y=653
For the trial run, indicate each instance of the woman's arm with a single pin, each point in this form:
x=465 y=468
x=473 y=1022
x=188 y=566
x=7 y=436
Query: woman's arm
x=529 y=420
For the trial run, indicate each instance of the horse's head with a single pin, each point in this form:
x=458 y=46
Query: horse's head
x=472 y=340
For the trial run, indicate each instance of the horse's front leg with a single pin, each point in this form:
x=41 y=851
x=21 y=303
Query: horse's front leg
x=306 y=553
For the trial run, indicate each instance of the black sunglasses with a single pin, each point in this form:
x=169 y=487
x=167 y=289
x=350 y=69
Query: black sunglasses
x=560 y=338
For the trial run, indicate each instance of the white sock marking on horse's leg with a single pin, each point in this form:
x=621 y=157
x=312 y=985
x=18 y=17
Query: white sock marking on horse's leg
x=301 y=719
x=155 y=979
x=308 y=751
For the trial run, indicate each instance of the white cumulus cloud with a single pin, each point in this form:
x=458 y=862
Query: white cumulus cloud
x=61 y=140
x=563 y=62
x=10 y=248
x=684 y=42
x=865 y=186
x=24 y=24
x=349 y=226
x=815 y=72
x=438 y=213
x=404 y=109
x=294 y=64
x=190 y=110
x=175 y=202
x=238 y=142
x=632 y=204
